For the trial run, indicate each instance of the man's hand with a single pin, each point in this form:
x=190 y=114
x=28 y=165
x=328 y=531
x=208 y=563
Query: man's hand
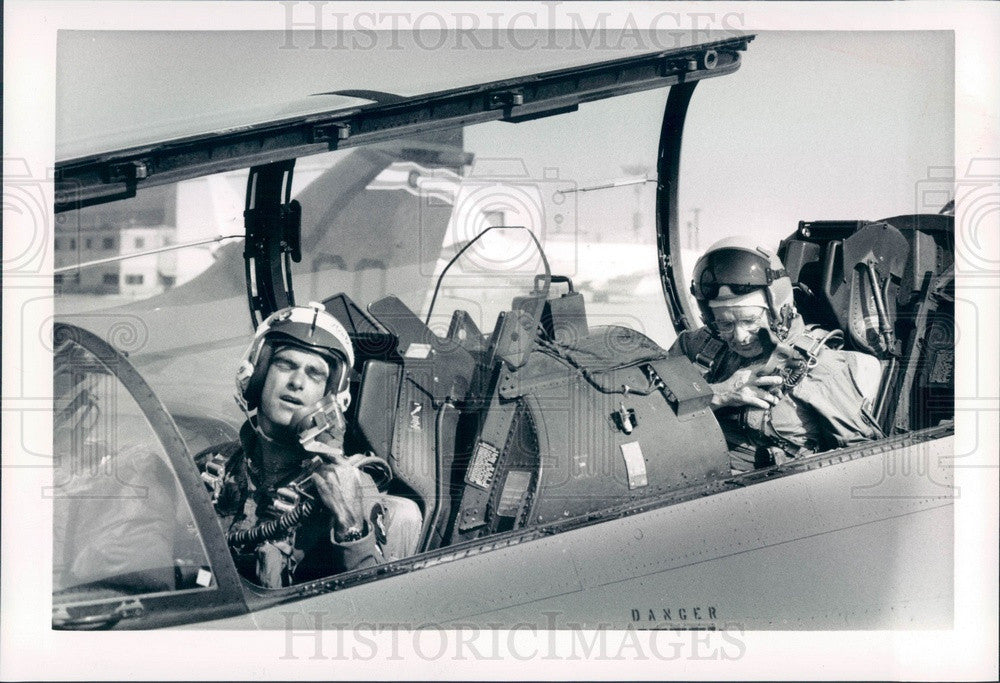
x=745 y=388
x=339 y=487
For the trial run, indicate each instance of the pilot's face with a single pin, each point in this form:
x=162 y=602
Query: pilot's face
x=295 y=379
x=738 y=326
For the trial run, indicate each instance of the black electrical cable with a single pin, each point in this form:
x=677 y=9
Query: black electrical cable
x=538 y=246
x=556 y=350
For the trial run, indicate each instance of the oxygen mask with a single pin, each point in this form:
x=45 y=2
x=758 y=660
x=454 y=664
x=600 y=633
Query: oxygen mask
x=322 y=422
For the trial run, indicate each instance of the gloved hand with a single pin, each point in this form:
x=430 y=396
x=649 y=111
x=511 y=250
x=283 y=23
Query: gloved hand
x=339 y=486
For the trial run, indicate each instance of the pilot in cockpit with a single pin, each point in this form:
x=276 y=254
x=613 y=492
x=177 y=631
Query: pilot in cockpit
x=781 y=389
x=293 y=506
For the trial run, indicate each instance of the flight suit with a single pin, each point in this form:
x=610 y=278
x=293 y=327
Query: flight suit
x=825 y=399
x=254 y=469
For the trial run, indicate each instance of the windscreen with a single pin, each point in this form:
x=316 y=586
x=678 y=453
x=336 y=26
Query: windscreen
x=161 y=275
x=584 y=184
x=121 y=523
x=757 y=169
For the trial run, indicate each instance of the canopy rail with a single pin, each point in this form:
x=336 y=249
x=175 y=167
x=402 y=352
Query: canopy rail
x=118 y=175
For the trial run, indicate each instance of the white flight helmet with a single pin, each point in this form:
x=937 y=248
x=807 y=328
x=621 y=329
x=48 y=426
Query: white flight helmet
x=309 y=328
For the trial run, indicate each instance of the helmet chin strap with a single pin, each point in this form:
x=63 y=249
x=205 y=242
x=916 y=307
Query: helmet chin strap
x=780 y=327
x=783 y=324
x=252 y=416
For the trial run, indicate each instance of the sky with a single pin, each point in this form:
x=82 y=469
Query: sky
x=819 y=126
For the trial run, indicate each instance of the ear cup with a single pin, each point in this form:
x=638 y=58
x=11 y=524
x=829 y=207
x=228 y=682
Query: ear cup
x=256 y=384
x=345 y=399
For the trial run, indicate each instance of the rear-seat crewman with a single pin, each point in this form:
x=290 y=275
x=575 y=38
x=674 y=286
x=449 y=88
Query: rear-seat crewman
x=781 y=390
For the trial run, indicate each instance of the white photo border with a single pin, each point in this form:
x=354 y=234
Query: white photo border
x=31 y=650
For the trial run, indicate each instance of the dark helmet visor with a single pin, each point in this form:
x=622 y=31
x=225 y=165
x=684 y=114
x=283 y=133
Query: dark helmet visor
x=740 y=270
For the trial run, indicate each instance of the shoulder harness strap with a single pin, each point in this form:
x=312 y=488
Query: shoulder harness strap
x=794 y=357
x=706 y=349
x=814 y=340
x=216 y=460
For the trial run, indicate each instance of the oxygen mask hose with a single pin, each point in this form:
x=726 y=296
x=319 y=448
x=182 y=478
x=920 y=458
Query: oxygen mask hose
x=320 y=428
x=272 y=529
x=296 y=502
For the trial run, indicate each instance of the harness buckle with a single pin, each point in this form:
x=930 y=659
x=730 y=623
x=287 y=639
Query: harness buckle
x=215 y=470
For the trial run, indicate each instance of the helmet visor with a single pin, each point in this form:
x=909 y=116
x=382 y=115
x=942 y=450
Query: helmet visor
x=741 y=271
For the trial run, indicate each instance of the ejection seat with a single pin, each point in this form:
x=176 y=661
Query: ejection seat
x=405 y=404
x=580 y=419
x=412 y=379
x=887 y=284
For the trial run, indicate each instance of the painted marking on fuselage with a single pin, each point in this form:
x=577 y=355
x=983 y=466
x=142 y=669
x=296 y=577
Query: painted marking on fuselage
x=673 y=614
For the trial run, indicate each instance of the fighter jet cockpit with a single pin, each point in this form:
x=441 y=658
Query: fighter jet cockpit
x=512 y=265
